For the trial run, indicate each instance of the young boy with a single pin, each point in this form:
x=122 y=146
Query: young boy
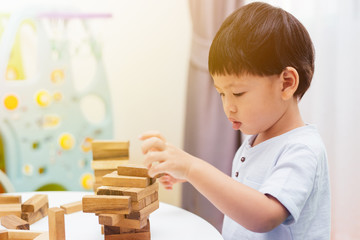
x=262 y=63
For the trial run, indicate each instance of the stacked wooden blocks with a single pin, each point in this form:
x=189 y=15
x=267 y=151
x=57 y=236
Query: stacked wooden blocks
x=124 y=203
x=35 y=208
x=32 y=210
x=107 y=155
x=10 y=205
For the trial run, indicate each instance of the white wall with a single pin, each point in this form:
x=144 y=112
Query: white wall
x=146 y=48
x=146 y=52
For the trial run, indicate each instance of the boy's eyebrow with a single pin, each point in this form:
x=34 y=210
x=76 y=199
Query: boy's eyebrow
x=231 y=85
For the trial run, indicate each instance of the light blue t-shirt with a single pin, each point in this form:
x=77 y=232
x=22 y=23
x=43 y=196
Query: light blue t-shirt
x=293 y=168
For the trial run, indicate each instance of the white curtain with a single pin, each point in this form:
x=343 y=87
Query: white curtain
x=333 y=102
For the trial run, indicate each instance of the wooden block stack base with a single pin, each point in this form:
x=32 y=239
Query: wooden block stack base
x=121 y=219
x=113 y=232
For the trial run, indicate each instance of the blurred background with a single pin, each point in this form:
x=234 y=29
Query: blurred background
x=74 y=71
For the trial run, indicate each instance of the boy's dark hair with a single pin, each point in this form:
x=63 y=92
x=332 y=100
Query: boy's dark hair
x=262 y=40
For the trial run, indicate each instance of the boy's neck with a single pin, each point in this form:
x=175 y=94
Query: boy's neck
x=290 y=120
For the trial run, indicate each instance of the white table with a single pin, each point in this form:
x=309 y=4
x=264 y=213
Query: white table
x=167 y=222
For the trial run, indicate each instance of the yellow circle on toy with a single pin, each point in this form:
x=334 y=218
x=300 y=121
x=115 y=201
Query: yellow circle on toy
x=43 y=98
x=57 y=76
x=87 y=181
x=27 y=169
x=58 y=96
x=66 y=141
x=11 y=102
x=86 y=145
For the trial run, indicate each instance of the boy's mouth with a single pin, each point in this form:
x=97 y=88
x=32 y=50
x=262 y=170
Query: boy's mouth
x=235 y=124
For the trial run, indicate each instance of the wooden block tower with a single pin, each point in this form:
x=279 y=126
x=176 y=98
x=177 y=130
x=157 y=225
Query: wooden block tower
x=107 y=155
x=124 y=202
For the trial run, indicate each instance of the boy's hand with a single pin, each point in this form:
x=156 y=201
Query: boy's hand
x=168 y=181
x=162 y=157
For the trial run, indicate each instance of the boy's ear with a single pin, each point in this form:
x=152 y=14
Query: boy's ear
x=290 y=82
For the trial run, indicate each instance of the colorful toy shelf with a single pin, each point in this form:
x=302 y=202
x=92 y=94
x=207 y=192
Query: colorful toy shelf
x=54 y=98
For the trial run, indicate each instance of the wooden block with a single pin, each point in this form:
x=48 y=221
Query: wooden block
x=56 y=223
x=6 y=199
x=10 y=209
x=96 y=186
x=100 y=173
x=144 y=229
x=135 y=193
x=72 y=207
x=109 y=230
x=98 y=179
x=34 y=203
x=110 y=156
x=142 y=203
x=110 y=219
x=3 y=234
x=33 y=217
x=129 y=236
x=23 y=235
x=103 y=150
x=44 y=236
x=132 y=169
x=138 y=205
x=127 y=230
x=110 y=190
x=143 y=213
x=119 y=220
x=109 y=145
x=106 y=204
x=14 y=222
x=135 y=170
x=112 y=179
x=27 y=235
x=106 y=165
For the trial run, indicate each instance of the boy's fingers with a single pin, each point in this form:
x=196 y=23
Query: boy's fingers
x=150 y=134
x=165 y=178
x=157 y=169
x=153 y=144
x=153 y=157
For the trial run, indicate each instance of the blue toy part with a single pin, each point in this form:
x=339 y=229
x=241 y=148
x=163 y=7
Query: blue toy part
x=45 y=126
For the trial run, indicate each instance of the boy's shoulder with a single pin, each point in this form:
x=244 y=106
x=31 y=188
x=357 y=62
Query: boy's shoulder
x=307 y=136
x=303 y=137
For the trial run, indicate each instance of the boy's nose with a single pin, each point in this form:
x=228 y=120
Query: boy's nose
x=229 y=107
x=232 y=108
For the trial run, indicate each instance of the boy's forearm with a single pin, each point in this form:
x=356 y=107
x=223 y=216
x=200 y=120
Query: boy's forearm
x=250 y=208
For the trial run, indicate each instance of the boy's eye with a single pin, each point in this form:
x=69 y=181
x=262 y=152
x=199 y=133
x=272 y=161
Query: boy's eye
x=238 y=94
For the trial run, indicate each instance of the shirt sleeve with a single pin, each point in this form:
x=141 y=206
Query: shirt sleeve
x=292 y=179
